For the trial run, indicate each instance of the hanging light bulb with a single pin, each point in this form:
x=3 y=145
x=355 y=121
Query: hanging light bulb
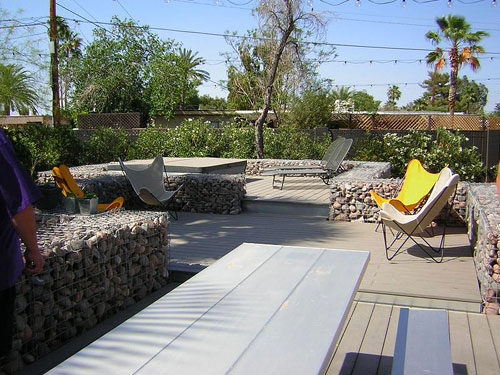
x=403 y=3
x=358 y=3
x=310 y=4
x=493 y=3
x=449 y=3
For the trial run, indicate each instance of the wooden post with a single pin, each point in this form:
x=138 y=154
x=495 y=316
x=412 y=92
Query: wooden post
x=56 y=110
x=374 y=121
x=429 y=122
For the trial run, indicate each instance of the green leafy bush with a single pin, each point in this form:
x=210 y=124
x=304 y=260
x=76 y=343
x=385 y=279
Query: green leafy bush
x=288 y=143
x=238 y=142
x=105 y=145
x=150 y=143
x=40 y=148
x=446 y=150
x=193 y=138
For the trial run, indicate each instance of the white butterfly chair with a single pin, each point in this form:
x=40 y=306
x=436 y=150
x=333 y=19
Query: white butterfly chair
x=414 y=225
x=148 y=183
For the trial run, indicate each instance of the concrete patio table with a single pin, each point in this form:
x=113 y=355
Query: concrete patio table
x=261 y=309
x=190 y=165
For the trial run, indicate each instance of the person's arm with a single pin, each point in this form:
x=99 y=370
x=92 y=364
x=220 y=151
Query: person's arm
x=25 y=225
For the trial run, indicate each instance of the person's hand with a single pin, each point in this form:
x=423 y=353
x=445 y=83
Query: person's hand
x=34 y=262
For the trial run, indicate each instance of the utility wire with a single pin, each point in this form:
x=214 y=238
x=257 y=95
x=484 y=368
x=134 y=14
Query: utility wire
x=225 y=35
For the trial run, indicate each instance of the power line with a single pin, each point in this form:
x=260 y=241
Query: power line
x=225 y=35
x=85 y=10
x=403 y=83
x=126 y=11
x=98 y=24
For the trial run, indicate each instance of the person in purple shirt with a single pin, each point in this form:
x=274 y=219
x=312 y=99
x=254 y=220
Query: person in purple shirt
x=17 y=221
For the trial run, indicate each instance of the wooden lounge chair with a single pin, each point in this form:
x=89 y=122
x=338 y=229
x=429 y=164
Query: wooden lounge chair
x=326 y=173
x=413 y=225
x=64 y=179
x=148 y=183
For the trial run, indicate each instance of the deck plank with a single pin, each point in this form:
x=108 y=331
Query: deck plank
x=385 y=365
x=373 y=342
x=482 y=344
x=494 y=324
x=345 y=357
x=200 y=239
x=462 y=354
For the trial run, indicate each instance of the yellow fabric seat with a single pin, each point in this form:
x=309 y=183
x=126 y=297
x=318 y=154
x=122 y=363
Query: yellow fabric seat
x=67 y=183
x=416 y=186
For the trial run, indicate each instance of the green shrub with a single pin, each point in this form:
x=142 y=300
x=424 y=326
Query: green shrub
x=150 y=143
x=238 y=142
x=105 y=145
x=446 y=150
x=194 y=138
x=289 y=143
x=40 y=148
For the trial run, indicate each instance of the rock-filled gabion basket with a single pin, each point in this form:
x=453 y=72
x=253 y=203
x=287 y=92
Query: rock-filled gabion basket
x=95 y=266
x=483 y=218
x=199 y=192
x=351 y=201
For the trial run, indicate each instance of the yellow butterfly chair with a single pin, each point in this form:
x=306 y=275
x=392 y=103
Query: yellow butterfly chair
x=66 y=182
x=417 y=184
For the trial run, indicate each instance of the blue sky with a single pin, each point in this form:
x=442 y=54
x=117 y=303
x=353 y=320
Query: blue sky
x=364 y=23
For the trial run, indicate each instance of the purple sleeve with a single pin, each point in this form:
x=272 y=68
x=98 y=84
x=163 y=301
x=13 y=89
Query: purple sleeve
x=16 y=187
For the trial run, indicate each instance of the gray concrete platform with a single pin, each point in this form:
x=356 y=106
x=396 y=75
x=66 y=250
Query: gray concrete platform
x=190 y=165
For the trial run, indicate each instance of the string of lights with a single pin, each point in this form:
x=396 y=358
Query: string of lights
x=226 y=35
x=210 y=82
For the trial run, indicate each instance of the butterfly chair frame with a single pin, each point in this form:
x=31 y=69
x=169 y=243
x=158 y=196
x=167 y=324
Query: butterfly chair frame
x=149 y=186
x=415 y=231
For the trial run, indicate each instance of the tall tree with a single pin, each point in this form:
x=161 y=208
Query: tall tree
x=471 y=96
x=117 y=69
x=69 y=49
x=21 y=46
x=437 y=88
x=365 y=102
x=17 y=89
x=463 y=45
x=190 y=75
x=393 y=95
x=278 y=42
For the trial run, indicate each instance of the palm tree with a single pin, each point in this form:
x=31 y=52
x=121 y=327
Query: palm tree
x=342 y=98
x=393 y=95
x=187 y=63
x=69 y=47
x=16 y=89
x=463 y=46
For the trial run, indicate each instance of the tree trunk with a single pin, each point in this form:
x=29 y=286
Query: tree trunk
x=259 y=123
x=452 y=93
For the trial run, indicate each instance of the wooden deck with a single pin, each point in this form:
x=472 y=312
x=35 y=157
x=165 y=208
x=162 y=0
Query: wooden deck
x=198 y=240
x=296 y=190
x=367 y=343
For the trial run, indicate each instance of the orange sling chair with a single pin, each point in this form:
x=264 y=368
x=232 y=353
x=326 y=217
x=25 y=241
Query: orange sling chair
x=416 y=186
x=66 y=182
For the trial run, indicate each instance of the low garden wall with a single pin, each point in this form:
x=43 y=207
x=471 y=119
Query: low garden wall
x=483 y=219
x=94 y=266
x=201 y=193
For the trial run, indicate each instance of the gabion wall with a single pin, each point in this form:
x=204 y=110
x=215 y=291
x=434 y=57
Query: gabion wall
x=483 y=218
x=94 y=266
x=351 y=201
x=203 y=193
